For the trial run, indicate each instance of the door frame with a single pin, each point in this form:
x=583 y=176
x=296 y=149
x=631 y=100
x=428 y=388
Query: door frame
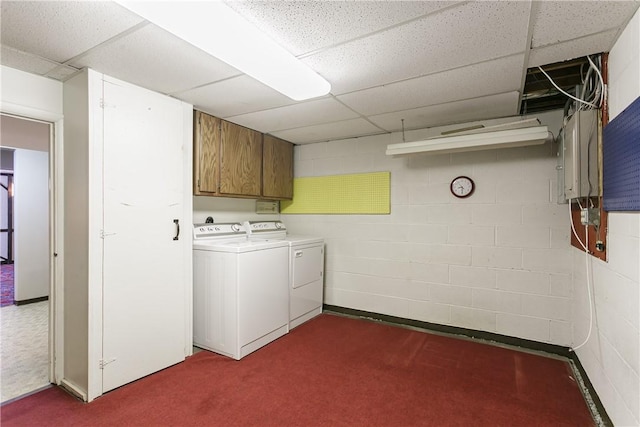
x=56 y=244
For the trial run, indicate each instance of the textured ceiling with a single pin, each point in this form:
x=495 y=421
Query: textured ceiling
x=428 y=63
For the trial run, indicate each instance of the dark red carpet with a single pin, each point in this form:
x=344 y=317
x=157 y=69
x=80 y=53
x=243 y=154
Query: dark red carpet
x=334 y=371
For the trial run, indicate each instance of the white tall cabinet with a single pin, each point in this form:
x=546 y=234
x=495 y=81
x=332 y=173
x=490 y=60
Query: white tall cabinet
x=127 y=243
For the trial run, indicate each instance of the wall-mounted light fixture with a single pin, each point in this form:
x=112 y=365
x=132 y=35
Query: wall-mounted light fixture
x=220 y=31
x=483 y=140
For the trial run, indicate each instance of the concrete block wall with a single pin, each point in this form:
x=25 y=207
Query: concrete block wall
x=611 y=356
x=499 y=261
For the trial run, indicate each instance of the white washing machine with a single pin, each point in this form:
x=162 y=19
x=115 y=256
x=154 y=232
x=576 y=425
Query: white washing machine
x=241 y=290
x=306 y=268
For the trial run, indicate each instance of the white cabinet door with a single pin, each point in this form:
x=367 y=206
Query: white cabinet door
x=143 y=271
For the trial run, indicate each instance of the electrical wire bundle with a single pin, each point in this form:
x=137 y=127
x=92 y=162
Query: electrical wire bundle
x=593 y=91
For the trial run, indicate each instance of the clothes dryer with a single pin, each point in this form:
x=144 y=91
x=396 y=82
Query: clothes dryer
x=306 y=268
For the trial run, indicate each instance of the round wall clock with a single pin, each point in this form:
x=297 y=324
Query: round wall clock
x=462 y=186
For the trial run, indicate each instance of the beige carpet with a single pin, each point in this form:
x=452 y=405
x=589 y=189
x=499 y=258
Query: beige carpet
x=24 y=349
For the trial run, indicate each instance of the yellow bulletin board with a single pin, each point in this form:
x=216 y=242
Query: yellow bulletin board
x=363 y=193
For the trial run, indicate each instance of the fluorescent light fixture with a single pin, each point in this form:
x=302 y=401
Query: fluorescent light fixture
x=474 y=142
x=220 y=31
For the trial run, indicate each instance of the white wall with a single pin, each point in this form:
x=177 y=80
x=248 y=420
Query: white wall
x=30 y=95
x=78 y=152
x=31 y=224
x=611 y=357
x=40 y=98
x=36 y=97
x=497 y=262
x=22 y=133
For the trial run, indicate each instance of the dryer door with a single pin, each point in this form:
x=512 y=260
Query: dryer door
x=307 y=265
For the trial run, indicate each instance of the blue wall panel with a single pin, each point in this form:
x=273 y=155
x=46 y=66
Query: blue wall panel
x=621 y=161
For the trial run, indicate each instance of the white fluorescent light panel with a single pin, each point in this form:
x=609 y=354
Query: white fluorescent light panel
x=220 y=31
x=482 y=141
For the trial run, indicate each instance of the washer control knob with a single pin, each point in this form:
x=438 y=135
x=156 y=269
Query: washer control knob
x=235 y=227
x=278 y=225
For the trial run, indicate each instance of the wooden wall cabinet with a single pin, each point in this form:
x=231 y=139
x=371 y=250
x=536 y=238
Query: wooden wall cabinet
x=240 y=160
x=234 y=161
x=277 y=168
x=206 y=154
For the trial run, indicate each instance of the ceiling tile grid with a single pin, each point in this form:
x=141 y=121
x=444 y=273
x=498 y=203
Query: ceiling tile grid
x=153 y=58
x=62 y=72
x=454 y=37
x=576 y=48
x=486 y=78
x=309 y=113
x=302 y=27
x=60 y=30
x=558 y=21
x=487 y=107
x=329 y=131
x=431 y=63
x=15 y=58
x=234 y=96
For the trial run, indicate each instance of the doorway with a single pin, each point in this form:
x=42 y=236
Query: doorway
x=26 y=259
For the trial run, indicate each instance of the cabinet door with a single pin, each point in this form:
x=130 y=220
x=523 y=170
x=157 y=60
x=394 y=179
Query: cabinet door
x=143 y=289
x=240 y=160
x=205 y=154
x=277 y=168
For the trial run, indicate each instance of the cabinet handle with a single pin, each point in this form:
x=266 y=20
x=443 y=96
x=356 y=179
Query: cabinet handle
x=177 y=223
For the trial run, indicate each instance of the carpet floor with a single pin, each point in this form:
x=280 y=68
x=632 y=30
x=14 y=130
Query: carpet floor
x=6 y=285
x=334 y=371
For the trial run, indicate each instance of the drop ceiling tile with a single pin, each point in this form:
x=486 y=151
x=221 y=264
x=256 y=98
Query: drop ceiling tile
x=62 y=73
x=435 y=43
x=234 y=96
x=488 y=107
x=60 y=30
x=153 y=58
x=462 y=83
x=304 y=26
x=557 y=21
x=26 y=62
x=298 y=115
x=597 y=43
x=329 y=131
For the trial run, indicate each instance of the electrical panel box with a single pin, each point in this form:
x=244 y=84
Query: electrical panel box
x=579 y=155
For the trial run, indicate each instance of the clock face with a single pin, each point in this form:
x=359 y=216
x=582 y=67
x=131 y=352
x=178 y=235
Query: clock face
x=462 y=186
